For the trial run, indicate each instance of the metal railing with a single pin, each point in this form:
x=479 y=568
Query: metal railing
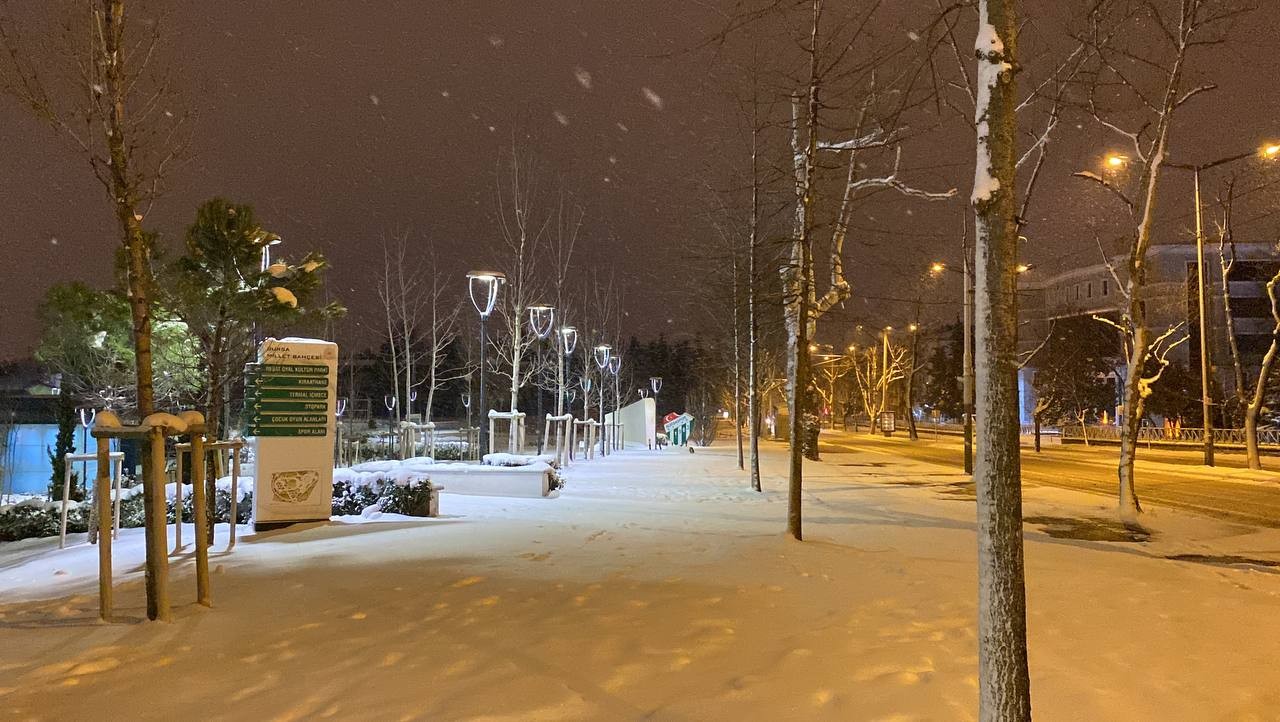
x=1162 y=435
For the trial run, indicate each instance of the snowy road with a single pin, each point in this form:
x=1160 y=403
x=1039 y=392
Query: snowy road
x=1174 y=479
x=658 y=587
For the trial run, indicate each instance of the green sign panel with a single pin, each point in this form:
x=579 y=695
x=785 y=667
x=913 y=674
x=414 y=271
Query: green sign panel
x=289 y=381
x=291 y=394
x=287 y=399
x=285 y=406
x=255 y=430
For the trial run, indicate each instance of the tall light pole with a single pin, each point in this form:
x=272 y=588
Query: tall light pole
x=966 y=371
x=1269 y=151
x=884 y=369
x=542 y=319
x=615 y=365
x=655 y=383
x=567 y=341
x=602 y=354
x=483 y=288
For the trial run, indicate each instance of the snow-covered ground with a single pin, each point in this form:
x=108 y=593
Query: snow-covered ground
x=658 y=585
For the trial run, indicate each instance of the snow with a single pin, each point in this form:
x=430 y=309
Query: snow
x=657 y=585
x=989 y=48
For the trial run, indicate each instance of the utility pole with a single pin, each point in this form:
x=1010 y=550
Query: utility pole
x=1205 y=401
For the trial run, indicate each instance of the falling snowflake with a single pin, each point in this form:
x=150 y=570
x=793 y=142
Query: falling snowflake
x=374 y=99
x=913 y=36
x=654 y=99
x=561 y=118
x=444 y=93
x=583 y=77
x=613 y=160
x=496 y=41
x=622 y=127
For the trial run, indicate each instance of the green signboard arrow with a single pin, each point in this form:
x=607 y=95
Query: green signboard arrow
x=292 y=394
x=255 y=430
x=285 y=406
x=295 y=369
x=287 y=381
x=267 y=417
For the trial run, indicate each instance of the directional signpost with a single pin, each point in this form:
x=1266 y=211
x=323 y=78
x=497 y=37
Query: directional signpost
x=290 y=404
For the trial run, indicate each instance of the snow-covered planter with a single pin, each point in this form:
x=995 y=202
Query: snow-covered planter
x=503 y=459
x=393 y=487
x=536 y=479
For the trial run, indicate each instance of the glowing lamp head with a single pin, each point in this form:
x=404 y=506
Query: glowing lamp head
x=541 y=318
x=569 y=338
x=655 y=383
x=602 y=354
x=937 y=267
x=1271 y=150
x=615 y=363
x=913 y=328
x=1115 y=161
x=1022 y=267
x=483 y=287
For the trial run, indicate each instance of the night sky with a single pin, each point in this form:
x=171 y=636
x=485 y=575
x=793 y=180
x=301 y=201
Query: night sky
x=343 y=123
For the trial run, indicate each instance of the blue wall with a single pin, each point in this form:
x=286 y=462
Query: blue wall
x=25 y=463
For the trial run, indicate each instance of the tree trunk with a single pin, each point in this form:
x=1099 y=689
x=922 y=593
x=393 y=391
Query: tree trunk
x=1003 y=680
x=1036 y=422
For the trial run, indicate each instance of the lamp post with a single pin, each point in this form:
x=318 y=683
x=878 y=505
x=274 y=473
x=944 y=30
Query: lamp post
x=884 y=388
x=615 y=365
x=585 y=382
x=655 y=383
x=1114 y=162
x=390 y=401
x=87 y=417
x=541 y=320
x=602 y=354
x=483 y=287
x=966 y=374
x=567 y=341
x=339 y=408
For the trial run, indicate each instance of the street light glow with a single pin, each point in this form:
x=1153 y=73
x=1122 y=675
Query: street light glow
x=1271 y=150
x=1116 y=161
x=937 y=267
x=1023 y=267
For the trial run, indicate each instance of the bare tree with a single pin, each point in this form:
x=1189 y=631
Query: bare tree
x=523 y=231
x=121 y=115
x=1137 y=83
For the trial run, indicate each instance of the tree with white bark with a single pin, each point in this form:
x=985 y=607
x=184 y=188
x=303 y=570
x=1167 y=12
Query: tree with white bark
x=422 y=320
x=1139 y=78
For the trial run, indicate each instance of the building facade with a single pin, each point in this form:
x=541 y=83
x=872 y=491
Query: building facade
x=1075 y=287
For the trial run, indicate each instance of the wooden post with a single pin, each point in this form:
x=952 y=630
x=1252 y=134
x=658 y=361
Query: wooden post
x=491 y=428
x=66 y=492
x=157 y=566
x=102 y=495
x=201 y=517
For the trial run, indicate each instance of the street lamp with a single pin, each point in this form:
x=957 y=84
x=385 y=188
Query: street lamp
x=967 y=371
x=483 y=287
x=602 y=352
x=615 y=364
x=1267 y=151
x=568 y=341
x=541 y=319
x=655 y=383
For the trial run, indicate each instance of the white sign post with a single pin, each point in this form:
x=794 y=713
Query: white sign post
x=290 y=399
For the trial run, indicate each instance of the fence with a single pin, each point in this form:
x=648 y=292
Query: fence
x=1162 y=435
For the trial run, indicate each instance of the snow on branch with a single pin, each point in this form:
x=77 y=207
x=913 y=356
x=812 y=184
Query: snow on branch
x=878 y=139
